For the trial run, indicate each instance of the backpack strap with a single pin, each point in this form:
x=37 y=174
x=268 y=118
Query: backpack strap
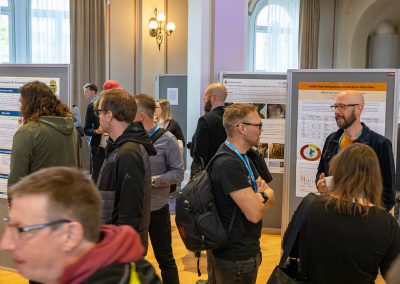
x=157 y=135
x=293 y=229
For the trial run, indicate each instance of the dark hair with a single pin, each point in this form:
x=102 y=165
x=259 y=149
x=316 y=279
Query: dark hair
x=356 y=176
x=146 y=104
x=37 y=99
x=71 y=195
x=91 y=87
x=120 y=103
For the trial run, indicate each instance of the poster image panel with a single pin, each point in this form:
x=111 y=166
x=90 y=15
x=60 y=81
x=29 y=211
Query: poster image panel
x=316 y=121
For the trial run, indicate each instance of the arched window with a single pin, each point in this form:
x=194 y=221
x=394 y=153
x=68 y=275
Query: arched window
x=34 y=31
x=273 y=35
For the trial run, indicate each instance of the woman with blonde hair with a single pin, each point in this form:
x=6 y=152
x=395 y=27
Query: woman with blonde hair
x=165 y=120
x=348 y=236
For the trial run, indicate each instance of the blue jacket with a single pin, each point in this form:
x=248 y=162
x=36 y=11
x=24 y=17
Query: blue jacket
x=383 y=149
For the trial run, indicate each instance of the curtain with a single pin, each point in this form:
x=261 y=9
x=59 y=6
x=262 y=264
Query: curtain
x=309 y=33
x=88 y=50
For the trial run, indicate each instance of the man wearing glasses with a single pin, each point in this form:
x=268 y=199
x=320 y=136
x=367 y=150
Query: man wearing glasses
x=53 y=232
x=241 y=197
x=348 y=108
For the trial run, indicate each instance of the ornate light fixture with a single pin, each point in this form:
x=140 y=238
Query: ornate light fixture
x=157 y=27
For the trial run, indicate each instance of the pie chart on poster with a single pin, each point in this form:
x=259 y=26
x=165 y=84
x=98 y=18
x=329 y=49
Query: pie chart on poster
x=310 y=152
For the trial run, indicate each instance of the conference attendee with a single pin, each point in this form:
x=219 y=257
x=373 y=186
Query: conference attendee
x=210 y=132
x=53 y=235
x=125 y=177
x=47 y=136
x=111 y=84
x=241 y=194
x=164 y=120
x=166 y=169
x=348 y=237
x=97 y=138
x=348 y=108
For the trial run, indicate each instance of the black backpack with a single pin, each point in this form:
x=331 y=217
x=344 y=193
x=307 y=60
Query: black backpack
x=197 y=218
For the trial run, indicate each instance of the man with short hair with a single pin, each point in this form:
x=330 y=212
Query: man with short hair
x=125 y=177
x=348 y=108
x=210 y=132
x=241 y=194
x=166 y=169
x=96 y=137
x=53 y=233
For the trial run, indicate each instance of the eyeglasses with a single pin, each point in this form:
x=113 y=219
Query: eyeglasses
x=259 y=125
x=342 y=107
x=97 y=111
x=20 y=230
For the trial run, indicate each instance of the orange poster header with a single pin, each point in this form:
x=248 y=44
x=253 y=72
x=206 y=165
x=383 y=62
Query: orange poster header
x=339 y=86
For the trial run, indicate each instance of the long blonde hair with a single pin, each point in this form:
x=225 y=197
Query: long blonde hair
x=165 y=109
x=356 y=176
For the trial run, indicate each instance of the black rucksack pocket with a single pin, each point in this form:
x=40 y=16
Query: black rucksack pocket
x=214 y=234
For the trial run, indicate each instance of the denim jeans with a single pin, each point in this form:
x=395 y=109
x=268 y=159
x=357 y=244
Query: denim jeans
x=240 y=271
x=161 y=240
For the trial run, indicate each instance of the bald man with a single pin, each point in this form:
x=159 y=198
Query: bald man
x=348 y=108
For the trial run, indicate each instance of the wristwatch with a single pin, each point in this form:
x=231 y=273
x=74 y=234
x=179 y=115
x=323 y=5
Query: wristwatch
x=264 y=196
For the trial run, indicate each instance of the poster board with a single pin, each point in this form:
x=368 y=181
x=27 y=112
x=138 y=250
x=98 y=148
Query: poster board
x=310 y=120
x=12 y=77
x=268 y=91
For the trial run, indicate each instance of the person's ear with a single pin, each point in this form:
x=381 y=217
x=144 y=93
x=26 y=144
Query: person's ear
x=73 y=235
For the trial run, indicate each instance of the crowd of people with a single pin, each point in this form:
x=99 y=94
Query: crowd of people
x=66 y=227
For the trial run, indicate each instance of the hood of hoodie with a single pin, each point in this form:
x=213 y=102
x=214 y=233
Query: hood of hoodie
x=117 y=244
x=65 y=125
x=135 y=132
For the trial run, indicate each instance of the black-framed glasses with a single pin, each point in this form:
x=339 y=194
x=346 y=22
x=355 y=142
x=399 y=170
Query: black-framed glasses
x=20 y=230
x=342 y=107
x=259 y=125
x=97 y=111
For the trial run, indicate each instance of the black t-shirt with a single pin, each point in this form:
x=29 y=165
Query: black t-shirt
x=344 y=248
x=228 y=174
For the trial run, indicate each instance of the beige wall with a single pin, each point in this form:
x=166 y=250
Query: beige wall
x=134 y=58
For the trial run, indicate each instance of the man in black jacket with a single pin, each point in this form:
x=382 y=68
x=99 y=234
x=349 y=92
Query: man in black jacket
x=348 y=108
x=125 y=177
x=210 y=132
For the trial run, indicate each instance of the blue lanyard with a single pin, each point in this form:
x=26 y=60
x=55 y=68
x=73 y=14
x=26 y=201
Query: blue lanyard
x=246 y=162
x=154 y=130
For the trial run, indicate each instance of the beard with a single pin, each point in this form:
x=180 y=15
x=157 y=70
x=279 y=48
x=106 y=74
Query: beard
x=343 y=122
x=207 y=106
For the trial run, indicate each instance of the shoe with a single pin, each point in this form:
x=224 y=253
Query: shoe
x=201 y=281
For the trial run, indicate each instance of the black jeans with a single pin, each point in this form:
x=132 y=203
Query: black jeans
x=161 y=240
x=240 y=271
x=97 y=157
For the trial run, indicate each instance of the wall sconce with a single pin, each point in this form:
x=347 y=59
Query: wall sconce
x=157 y=27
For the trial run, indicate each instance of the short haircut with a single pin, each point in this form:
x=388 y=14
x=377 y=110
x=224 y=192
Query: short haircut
x=234 y=114
x=37 y=99
x=120 y=103
x=146 y=104
x=356 y=173
x=217 y=89
x=91 y=87
x=165 y=109
x=71 y=195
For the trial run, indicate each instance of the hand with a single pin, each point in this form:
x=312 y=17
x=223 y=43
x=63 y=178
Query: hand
x=262 y=185
x=321 y=184
x=99 y=130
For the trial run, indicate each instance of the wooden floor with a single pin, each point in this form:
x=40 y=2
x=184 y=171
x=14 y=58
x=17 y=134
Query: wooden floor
x=270 y=246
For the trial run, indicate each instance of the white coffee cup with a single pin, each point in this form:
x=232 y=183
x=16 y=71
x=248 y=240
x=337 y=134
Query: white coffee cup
x=329 y=181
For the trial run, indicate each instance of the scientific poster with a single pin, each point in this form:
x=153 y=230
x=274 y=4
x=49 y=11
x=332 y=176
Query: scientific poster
x=269 y=96
x=316 y=121
x=10 y=119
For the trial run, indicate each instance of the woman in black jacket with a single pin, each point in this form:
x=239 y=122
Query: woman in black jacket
x=165 y=120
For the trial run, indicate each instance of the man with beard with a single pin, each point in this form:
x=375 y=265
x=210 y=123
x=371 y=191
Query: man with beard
x=348 y=108
x=210 y=132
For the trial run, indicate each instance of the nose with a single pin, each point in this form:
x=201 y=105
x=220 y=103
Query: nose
x=7 y=242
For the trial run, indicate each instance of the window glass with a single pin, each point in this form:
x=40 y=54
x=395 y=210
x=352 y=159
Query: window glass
x=4 y=3
x=4 y=39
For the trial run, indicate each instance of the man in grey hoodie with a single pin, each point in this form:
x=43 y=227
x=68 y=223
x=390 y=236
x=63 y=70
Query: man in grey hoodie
x=166 y=169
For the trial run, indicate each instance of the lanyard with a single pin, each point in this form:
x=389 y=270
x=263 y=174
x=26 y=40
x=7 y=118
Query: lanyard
x=154 y=130
x=246 y=162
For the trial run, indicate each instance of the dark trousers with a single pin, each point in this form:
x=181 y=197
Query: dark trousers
x=240 y=272
x=97 y=157
x=161 y=240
